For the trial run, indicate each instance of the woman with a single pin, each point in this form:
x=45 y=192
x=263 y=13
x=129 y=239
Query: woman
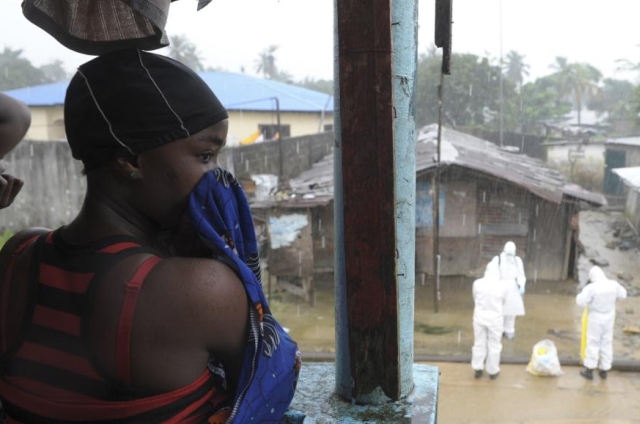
x=103 y=323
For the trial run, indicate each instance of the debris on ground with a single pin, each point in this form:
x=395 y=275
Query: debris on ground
x=632 y=329
x=599 y=261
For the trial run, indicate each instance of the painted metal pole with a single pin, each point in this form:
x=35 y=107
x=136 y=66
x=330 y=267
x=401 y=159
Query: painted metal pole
x=404 y=18
x=279 y=141
x=343 y=357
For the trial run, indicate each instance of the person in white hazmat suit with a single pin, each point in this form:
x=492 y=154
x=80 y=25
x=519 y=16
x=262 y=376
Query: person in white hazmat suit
x=489 y=296
x=599 y=296
x=511 y=271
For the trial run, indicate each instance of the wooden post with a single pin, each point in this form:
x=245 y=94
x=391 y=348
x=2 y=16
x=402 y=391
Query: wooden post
x=367 y=165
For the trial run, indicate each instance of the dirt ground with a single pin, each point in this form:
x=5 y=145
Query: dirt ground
x=517 y=397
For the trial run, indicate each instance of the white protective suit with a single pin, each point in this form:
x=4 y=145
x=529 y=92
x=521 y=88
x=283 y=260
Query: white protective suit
x=489 y=296
x=512 y=271
x=600 y=297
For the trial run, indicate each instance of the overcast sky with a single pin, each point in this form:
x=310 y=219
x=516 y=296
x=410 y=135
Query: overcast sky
x=230 y=34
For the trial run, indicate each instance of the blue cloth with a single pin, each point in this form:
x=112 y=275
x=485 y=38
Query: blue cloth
x=221 y=216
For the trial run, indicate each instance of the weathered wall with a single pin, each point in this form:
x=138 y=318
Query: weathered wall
x=298 y=154
x=500 y=212
x=548 y=239
x=632 y=153
x=322 y=234
x=530 y=145
x=632 y=208
x=54 y=185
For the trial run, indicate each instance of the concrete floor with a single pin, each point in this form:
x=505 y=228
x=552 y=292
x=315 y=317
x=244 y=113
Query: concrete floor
x=516 y=397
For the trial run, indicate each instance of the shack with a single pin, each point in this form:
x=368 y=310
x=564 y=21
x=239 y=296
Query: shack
x=488 y=196
x=621 y=152
x=298 y=250
x=631 y=179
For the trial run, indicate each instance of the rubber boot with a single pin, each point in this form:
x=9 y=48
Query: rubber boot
x=587 y=373
x=603 y=374
x=477 y=374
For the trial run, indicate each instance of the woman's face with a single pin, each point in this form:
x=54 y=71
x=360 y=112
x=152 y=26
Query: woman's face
x=170 y=172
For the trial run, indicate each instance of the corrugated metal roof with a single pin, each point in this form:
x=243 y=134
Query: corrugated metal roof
x=630 y=176
x=459 y=149
x=628 y=141
x=235 y=91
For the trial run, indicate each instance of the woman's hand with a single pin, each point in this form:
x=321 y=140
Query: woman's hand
x=10 y=186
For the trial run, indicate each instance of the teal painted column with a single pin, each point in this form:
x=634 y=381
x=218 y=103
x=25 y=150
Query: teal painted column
x=404 y=17
x=343 y=359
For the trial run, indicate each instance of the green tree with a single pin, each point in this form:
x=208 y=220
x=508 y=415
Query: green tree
x=471 y=93
x=577 y=81
x=540 y=102
x=616 y=99
x=515 y=68
x=54 y=71
x=17 y=71
x=324 y=86
x=266 y=63
x=184 y=51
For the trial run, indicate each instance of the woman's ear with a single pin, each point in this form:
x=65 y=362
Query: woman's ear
x=128 y=168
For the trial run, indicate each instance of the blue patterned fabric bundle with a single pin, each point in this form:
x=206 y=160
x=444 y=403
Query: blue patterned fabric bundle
x=221 y=216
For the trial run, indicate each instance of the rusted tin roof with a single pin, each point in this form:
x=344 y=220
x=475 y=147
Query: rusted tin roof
x=466 y=151
x=459 y=149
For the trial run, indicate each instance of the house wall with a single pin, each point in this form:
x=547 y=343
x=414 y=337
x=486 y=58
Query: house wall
x=459 y=246
x=501 y=212
x=322 y=235
x=290 y=253
x=243 y=123
x=47 y=123
x=54 y=186
x=503 y=215
x=588 y=169
x=632 y=208
x=632 y=153
x=559 y=154
x=548 y=240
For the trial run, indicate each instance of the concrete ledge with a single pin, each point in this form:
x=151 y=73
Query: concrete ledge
x=315 y=401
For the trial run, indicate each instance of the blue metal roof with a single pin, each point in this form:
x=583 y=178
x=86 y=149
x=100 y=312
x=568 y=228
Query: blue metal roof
x=235 y=91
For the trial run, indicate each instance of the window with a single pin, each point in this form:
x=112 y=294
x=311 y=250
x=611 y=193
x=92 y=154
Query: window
x=269 y=131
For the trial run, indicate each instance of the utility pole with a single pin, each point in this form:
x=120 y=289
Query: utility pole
x=501 y=79
x=279 y=132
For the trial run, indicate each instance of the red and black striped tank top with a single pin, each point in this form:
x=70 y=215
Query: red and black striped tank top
x=49 y=375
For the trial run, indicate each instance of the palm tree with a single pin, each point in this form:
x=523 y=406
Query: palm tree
x=183 y=50
x=578 y=81
x=515 y=68
x=266 y=63
x=583 y=82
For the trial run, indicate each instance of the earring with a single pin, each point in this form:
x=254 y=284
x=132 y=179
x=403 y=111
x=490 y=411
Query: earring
x=133 y=175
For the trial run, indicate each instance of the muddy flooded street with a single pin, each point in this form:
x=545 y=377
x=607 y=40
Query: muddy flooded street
x=551 y=312
x=445 y=339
